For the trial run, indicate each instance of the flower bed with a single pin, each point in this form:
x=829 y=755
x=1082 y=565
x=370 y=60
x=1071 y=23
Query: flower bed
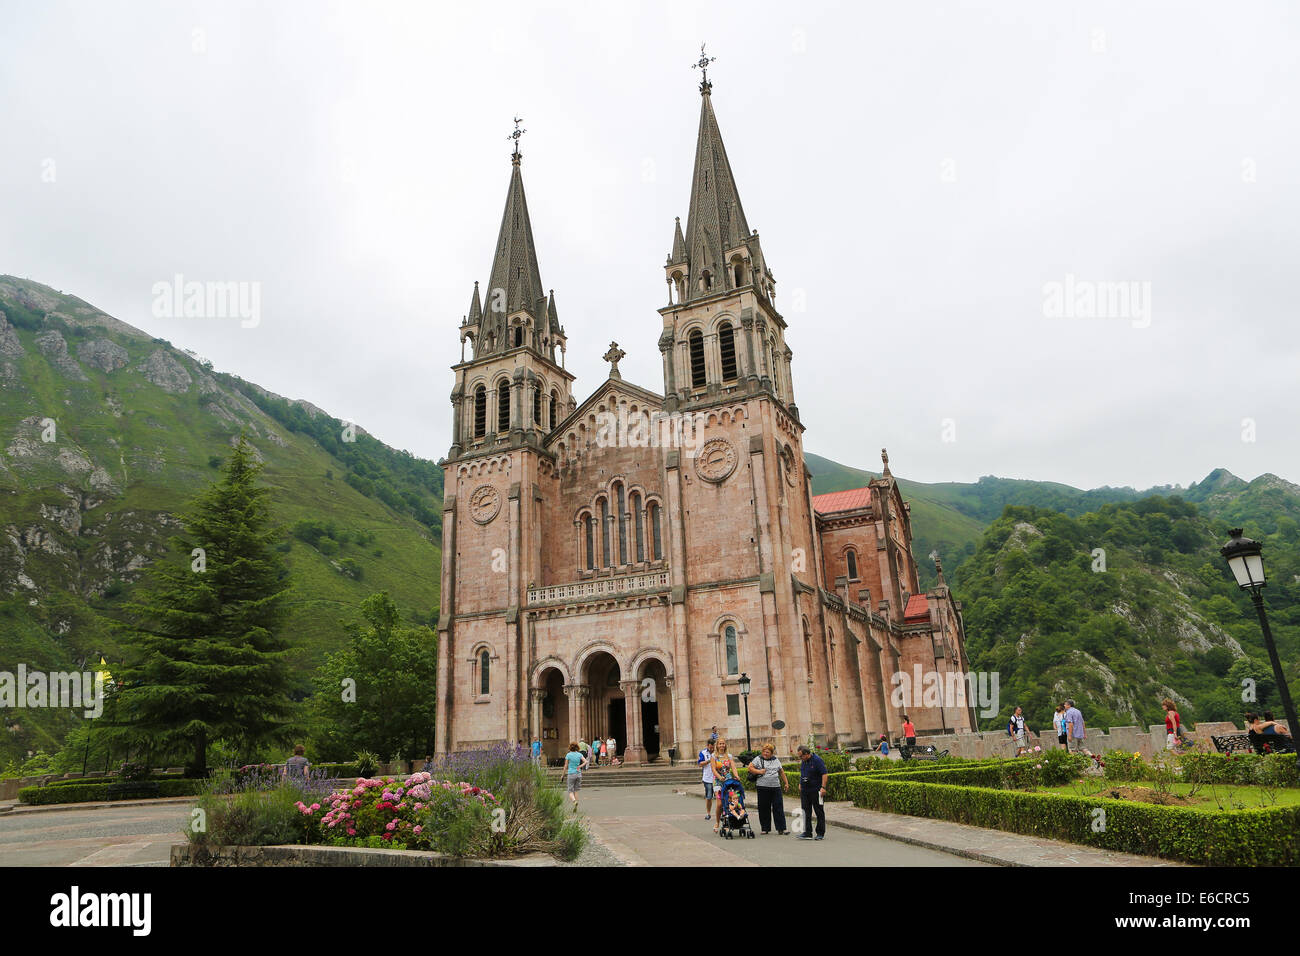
x=485 y=804
x=420 y=813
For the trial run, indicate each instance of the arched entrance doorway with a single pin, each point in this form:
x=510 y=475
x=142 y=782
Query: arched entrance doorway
x=555 y=714
x=657 y=732
x=606 y=705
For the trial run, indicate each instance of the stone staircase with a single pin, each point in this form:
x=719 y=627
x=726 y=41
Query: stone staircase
x=681 y=776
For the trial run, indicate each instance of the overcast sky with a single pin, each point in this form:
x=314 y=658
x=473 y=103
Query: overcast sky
x=920 y=175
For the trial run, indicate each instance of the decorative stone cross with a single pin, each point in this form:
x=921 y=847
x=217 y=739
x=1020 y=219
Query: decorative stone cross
x=612 y=356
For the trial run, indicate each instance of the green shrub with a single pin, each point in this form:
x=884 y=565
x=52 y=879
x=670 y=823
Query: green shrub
x=1124 y=765
x=252 y=817
x=90 y=792
x=1215 y=838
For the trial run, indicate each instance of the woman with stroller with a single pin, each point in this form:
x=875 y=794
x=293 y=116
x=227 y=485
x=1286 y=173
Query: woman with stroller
x=724 y=769
x=771 y=783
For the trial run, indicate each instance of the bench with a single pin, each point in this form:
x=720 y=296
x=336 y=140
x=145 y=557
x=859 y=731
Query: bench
x=925 y=752
x=1251 y=743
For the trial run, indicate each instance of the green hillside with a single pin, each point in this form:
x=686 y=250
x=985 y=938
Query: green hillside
x=1163 y=617
x=108 y=432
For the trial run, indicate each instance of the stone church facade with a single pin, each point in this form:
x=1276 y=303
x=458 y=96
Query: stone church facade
x=614 y=567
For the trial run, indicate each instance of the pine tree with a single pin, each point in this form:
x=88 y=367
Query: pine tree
x=207 y=659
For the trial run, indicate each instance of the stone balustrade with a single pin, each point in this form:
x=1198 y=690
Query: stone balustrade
x=598 y=588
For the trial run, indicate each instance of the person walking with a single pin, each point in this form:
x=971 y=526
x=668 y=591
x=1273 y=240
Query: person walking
x=909 y=731
x=574 y=763
x=812 y=792
x=585 y=749
x=295 y=768
x=706 y=764
x=1074 y=724
x=1173 y=724
x=1016 y=730
x=600 y=742
x=611 y=745
x=1058 y=721
x=724 y=769
x=537 y=751
x=770 y=784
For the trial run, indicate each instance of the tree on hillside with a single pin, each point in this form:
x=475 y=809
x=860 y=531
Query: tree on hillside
x=206 y=657
x=378 y=693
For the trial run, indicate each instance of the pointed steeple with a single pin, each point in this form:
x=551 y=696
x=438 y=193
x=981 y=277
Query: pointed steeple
x=475 y=308
x=716 y=220
x=552 y=318
x=516 y=282
x=679 y=244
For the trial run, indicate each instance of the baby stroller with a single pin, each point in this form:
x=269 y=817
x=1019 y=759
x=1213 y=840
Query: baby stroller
x=730 y=825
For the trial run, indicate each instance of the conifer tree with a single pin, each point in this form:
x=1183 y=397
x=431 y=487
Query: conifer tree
x=206 y=656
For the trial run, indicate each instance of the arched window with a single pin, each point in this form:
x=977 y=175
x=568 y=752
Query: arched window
x=851 y=558
x=637 y=528
x=480 y=411
x=519 y=335
x=591 y=542
x=727 y=351
x=484 y=675
x=656 y=540
x=733 y=653
x=537 y=405
x=622 y=525
x=503 y=406
x=555 y=400
x=697 y=359
x=606 y=559
x=740 y=274
x=830 y=655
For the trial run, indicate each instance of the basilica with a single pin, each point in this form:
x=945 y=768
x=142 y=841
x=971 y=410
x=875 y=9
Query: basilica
x=647 y=564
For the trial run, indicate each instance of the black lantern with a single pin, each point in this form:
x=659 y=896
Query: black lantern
x=1247 y=564
x=744 y=683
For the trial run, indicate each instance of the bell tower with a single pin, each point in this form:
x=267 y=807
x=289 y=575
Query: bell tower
x=509 y=394
x=510 y=391
x=717 y=269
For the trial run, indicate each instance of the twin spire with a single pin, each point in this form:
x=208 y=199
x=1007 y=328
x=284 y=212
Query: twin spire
x=715 y=229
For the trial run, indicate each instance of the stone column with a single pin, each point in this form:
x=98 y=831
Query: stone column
x=634 y=752
x=537 y=695
x=578 y=694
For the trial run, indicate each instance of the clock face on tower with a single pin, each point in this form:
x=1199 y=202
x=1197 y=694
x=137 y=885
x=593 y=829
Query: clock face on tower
x=716 y=461
x=484 y=503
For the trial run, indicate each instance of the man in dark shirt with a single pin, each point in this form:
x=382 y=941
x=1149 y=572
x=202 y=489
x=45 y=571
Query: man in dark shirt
x=812 y=792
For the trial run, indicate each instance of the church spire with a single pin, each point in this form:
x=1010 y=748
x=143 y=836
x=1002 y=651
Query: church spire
x=715 y=222
x=515 y=283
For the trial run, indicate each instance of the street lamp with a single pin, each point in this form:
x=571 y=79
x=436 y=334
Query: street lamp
x=1243 y=557
x=744 y=692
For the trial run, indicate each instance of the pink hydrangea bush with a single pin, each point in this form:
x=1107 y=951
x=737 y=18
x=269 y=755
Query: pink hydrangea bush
x=419 y=813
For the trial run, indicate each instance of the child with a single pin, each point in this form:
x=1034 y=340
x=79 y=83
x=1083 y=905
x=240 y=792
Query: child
x=884 y=746
x=734 y=808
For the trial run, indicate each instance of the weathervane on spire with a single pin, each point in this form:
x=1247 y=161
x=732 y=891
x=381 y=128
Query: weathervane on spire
x=516 y=156
x=703 y=66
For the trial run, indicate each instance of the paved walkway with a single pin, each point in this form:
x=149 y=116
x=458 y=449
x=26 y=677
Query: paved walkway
x=653 y=826
x=975 y=843
x=135 y=835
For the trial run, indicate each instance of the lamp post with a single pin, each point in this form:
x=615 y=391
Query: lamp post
x=1243 y=557
x=744 y=693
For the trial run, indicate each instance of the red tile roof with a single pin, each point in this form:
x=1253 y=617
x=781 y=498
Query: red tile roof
x=842 y=501
x=917 y=608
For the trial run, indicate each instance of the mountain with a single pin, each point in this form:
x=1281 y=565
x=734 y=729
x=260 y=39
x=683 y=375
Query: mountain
x=1123 y=606
x=108 y=432
x=950 y=517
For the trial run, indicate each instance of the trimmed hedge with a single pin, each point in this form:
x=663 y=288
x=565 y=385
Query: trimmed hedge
x=95 y=793
x=1265 y=837
x=836 y=782
x=103 y=781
